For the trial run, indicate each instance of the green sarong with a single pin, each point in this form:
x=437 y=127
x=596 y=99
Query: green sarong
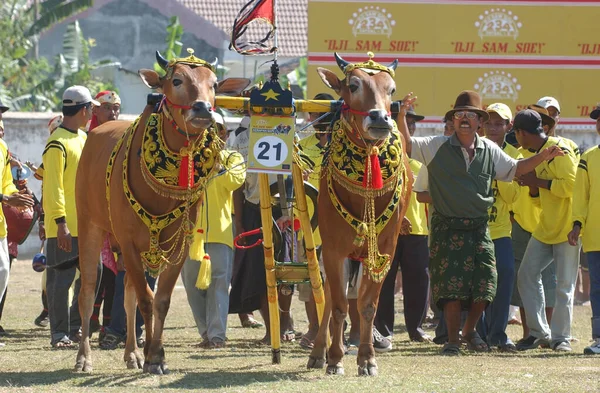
x=462 y=264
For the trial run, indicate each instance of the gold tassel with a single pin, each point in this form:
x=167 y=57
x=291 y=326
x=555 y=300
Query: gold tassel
x=204 y=275
x=361 y=233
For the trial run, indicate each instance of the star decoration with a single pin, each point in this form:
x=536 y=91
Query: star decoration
x=270 y=95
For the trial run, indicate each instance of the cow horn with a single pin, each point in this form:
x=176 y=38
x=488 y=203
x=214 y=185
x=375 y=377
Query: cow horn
x=341 y=62
x=215 y=63
x=393 y=65
x=162 y=62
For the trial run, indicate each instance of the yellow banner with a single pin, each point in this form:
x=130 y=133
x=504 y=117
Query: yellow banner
x=513 y=53
x=446 y=27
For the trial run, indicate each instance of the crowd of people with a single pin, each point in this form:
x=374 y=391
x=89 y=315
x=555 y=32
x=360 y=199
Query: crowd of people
x=499 y=209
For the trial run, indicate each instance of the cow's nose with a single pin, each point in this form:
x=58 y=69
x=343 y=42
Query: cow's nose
x=378 y=114
x=202 y=108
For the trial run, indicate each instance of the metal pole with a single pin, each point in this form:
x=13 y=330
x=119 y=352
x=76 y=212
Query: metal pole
x=275 y=27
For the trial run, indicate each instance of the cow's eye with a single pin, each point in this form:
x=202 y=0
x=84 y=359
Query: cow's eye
x=215 y=86
x=393 y=91
x=177 y=82
x=353 y=88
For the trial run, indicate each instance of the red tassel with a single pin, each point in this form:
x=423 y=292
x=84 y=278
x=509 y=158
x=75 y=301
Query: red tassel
x=185 y=173
x=373 y=171
x=376 y=178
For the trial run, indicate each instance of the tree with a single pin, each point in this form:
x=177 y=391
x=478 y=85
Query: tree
x=53 y=12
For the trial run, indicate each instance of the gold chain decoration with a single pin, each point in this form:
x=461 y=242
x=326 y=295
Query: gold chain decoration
x=157 y=258
x=345 y=164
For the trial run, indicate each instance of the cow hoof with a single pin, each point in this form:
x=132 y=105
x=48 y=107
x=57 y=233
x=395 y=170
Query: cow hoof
x=83 y=366
x=135 y=361
x=158 y=369
x=336 y=369
x=315 y=362
x=370 y=370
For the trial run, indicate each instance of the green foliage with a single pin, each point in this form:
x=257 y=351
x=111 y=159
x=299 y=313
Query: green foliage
x=29 y=84
x=53 y=12
x=173 y=41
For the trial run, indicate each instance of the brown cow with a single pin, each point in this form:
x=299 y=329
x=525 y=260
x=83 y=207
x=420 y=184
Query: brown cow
x=365 y=122
x=103 y=206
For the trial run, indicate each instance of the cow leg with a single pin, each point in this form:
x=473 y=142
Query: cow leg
x=317 y=355
x=133 y=359
x=90 y=244
x=162 y=301
x=135 y=279
x=339 y=311
x=368 y=297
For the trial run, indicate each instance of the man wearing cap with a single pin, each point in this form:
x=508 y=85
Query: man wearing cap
x=461 y=169
x=586 y=221
x=11 y=196
x=553 y=111
x=526 y=217
x=505 y=194
x=60 y=160
x=552 y=186
x=109 y=109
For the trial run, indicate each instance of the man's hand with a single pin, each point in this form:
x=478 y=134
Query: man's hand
x=528 y=179
x=19 y=199
x=64 y=237
x=551 y=152
x=407 y=102
x=239 y=229
x=42 y=231
x=283 y=222
x=573 y=236
x=405 y=227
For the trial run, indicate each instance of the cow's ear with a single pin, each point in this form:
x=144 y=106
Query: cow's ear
x=232 y=86
x=150 y=78
x=330 y=79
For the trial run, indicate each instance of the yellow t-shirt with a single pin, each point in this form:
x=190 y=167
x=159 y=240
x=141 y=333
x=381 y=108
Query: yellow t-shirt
x=526 y=209
x=586 y=199
x=60 y=160
x=312 y=148
x=8 y=187
x=416 y=210
x=505 y=194
x=214 y=223
x=556 y=217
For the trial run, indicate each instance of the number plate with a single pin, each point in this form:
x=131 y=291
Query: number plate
x=271 y=144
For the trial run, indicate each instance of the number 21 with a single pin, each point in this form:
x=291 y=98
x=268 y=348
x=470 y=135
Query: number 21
x=265 y=146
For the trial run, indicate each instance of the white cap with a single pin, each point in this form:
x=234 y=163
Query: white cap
x=245 y=122
x=218 y=118
x=78 y=95
x=548 y=101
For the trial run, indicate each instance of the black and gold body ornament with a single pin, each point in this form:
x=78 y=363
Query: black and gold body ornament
x=160 y=169
x=344 y=164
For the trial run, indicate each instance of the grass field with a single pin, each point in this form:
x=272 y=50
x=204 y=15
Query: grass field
x=27 y=364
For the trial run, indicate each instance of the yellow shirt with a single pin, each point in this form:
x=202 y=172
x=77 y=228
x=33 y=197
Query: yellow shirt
x=527 y=210
x=214 y=223
x=60 y=160
x=505 y=194
x=555 y=219
x=312 y=148
x=8 y=187
x=586 y=199
x=571 y=145
x=416 y=210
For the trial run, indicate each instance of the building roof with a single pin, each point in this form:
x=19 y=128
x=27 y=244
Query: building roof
x=292 y=21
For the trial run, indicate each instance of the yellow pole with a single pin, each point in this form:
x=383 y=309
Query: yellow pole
x=267 y=232
x=315 y=106
x=311 y=253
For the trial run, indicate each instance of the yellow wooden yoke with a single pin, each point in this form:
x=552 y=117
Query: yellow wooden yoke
x=277 y=273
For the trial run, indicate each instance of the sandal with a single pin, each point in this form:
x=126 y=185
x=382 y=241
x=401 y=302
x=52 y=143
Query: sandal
x=63 y=343
x=110 y=342
x=251 y=323
x=475 y=342
x=306 y=343
x=451 y=349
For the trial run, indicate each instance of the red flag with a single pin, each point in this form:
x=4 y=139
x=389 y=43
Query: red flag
x=254 y=10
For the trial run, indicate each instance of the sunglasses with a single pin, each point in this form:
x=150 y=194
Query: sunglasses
x=468 y=115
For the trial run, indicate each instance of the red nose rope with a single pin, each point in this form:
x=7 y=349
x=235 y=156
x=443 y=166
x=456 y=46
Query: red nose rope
x=346 y=108
x=256 y=232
